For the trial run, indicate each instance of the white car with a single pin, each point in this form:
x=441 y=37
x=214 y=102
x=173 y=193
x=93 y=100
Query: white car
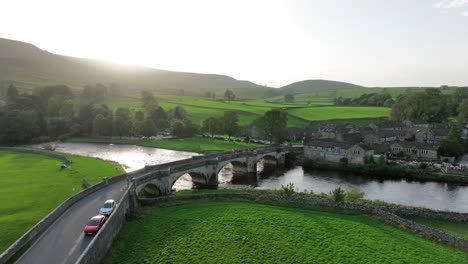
x=108 y=207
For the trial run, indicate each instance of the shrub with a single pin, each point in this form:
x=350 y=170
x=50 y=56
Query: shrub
x=354 y=195
x=338 y=195
x=288 y=190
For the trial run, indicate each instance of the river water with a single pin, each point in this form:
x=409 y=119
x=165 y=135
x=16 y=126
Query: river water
x=439 y=196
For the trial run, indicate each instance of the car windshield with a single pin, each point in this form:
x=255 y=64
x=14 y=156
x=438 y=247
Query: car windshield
x=93 y=222
x=107 y=205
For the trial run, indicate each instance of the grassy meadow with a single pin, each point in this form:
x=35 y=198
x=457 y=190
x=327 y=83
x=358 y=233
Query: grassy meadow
x=339 y=112
x=246 y=232
x=32 y=185
x=195 y=144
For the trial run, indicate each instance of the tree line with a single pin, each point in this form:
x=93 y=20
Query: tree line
x=372 y=99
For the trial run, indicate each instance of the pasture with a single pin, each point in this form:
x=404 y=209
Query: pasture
x=32 y=185
x=246 y=232
x=339 y=112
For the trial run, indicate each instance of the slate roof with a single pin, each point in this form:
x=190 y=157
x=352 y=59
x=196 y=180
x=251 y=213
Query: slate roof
x=328 y=144
x=352 y=138
x=418 y=145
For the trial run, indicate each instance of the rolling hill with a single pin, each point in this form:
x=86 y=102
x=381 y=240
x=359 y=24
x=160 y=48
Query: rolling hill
x=27 y=66
x=308 y=86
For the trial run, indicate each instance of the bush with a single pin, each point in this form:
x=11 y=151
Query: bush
x=354 y=195
x=288 y=190
x=338 y=195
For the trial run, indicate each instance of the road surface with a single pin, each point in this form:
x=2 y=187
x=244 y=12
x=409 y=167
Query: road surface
x=64 y=240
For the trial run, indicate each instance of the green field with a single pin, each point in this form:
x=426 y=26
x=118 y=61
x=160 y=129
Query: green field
x=196 y=144
x=341 y=112
x=459 y=229
x=245 y=232
x=32 y=185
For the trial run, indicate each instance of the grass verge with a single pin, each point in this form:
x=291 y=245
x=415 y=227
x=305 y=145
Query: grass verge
x=32 y=185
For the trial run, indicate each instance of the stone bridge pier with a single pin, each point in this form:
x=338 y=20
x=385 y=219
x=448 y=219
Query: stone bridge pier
x=159 y=179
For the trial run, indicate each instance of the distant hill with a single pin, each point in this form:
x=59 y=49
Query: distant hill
x=308 y=86
x=28 y=66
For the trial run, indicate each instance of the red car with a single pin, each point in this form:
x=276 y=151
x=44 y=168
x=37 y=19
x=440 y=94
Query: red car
x=94 y=224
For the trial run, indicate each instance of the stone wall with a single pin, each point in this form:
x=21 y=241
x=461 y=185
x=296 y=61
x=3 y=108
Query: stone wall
x=54 y=155
x=102 y=241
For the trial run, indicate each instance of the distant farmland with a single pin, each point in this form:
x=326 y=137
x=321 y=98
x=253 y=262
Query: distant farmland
x=198 y=109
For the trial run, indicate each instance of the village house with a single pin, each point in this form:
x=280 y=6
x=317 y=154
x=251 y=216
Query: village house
x=431 y=136
x=414 y=150
x=332 y=131
x=384 y=136
x=336 y=151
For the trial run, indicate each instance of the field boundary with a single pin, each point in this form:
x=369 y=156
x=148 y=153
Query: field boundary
x=58 y=156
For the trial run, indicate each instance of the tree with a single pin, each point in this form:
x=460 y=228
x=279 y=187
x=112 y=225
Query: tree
x=451 y=146
x=427 y=106
x=338 y=194
x=208 y=95
x=289 y=98
x=18 y=126
x=160 y=118
x=273 y=125
x=102 y=126
x=148 y=99
x=12 y=92
x=67 y=110
x=229 y=95
x=148 y=128
x=178 y=129
x=463 y=111
x=122 y=122
x=229 y=123
x=211 y=126
x=139 y=115
x=178 y=113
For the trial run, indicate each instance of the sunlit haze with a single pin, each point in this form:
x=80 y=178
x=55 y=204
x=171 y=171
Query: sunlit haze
x=367 y=42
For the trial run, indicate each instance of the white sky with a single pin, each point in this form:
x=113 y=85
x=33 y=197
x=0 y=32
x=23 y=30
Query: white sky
x=367 y=42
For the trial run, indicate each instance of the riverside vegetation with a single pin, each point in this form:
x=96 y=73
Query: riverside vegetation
x=32 y=185
x=244 y=232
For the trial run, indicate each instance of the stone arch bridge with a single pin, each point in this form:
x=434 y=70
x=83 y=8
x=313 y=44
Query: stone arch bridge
x=204 y=170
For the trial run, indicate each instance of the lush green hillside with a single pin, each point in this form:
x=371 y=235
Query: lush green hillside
x=308 y=86
x=27 y=66
x=32 y=185
x=245 y=232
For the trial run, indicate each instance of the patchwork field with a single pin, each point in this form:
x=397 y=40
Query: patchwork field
x=198 y=109
x=32 y=185
x=245 y=232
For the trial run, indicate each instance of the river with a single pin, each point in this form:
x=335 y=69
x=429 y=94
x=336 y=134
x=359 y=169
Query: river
x=434 y=195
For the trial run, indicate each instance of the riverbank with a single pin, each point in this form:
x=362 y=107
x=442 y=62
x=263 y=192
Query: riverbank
x=32 y=185
x=387 y=171
x=194 y=144
x=220 y=231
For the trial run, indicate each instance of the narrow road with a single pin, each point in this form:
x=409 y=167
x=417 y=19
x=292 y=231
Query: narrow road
x=64 y=241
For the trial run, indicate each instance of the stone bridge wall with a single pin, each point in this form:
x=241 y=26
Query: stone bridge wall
x=102 y=241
